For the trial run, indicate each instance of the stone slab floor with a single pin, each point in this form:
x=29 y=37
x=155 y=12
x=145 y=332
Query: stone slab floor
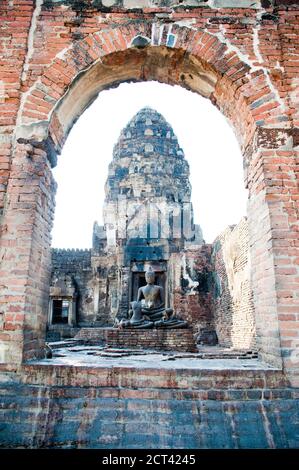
x=99 y=356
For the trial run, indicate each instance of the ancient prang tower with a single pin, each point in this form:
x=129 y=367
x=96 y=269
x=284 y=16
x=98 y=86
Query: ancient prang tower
x=148 y=224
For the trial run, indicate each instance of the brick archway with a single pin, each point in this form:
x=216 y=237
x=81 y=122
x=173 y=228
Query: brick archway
x=197 y=60
x=54 y=96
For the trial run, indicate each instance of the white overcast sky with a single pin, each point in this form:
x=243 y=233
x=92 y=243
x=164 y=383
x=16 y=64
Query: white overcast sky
x=216 y=174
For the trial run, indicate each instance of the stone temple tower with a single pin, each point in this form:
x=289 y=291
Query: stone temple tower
x=148 y=214
x=148 y=190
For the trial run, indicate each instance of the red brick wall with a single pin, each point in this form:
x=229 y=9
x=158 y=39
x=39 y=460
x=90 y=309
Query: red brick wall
x=14 y=30
x=243 y=59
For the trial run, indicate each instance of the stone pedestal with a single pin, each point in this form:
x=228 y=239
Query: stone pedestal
x=157 y=339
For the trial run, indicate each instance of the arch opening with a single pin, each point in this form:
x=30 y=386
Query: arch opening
x=204 y=211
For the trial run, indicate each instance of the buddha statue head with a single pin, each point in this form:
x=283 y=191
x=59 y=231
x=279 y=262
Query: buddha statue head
x=150 y=276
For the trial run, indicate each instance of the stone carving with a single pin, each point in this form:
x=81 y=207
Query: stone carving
x=149 y=310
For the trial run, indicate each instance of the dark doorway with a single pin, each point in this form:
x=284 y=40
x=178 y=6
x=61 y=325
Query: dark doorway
x=60 y=311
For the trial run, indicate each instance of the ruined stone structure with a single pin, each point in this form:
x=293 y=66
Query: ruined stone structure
x=56 y=56
x=148 y=222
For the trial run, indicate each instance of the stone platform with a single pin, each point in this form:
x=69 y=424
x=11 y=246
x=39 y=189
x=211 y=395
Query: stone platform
x=147 y=402
x=153 y=339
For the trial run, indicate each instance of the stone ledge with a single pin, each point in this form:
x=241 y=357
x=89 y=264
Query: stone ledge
x=31 y=391
x=143 y=378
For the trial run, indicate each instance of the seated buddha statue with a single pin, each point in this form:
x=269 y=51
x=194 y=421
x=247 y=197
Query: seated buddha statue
x=149 y=310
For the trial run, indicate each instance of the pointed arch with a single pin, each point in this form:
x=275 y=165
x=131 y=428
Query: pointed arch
x=189 y=57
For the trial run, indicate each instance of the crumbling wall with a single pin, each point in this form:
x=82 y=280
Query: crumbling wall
x=190 y=279
x=96 y=280
x=233 y=297
x=76 y=263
